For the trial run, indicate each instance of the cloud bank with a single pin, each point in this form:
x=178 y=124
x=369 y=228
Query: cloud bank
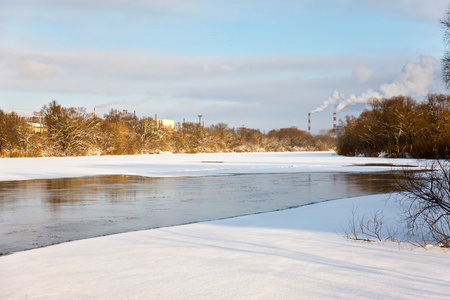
x=262 y=63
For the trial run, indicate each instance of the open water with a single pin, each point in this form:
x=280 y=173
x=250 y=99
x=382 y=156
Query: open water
x=38 y=213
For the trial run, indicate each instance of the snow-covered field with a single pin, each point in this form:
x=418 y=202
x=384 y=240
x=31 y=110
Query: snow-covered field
x=294 y=254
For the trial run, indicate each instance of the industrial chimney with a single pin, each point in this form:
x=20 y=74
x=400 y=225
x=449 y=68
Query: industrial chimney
x=309 y=123
x=334 y=125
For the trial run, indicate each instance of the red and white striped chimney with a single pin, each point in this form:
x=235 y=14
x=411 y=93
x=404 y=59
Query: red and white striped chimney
x=334 y=124
x=309 y=123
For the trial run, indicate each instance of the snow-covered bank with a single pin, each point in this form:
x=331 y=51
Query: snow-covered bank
x=292 y=254
x=174 y=165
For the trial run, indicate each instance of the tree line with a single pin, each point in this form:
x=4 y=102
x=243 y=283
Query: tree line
x=399 y=127
x=71 y=131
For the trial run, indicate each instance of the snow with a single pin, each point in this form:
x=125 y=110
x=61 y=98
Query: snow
x=293 y=254
x=177 y=165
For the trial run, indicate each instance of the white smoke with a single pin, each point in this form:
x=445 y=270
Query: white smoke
x=414 y=81
x=117 y=103
x=353 y=100
x=334 y=98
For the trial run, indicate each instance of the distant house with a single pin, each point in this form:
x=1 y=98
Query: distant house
x=170 y=124
x=38 y=127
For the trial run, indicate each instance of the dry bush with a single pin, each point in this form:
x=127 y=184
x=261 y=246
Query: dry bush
x=424 y=198
x=73 y=132
x=369 y=228
x=426 y=204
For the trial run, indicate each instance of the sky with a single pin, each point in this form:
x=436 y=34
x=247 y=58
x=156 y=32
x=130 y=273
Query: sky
x=258 y=64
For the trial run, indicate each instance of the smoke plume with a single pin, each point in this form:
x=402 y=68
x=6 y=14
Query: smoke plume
x=334 y=98
x=117 y=103
x=414 y=81
x=353 y=100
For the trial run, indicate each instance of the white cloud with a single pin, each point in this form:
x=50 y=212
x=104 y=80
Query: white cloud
x=362 y=74
x=278 y=89
x=102 y=5
x=30 y=69
x=127 y=70
x=420 y=9
x=214 y=9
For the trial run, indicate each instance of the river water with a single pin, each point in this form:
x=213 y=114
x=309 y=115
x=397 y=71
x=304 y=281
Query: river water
x=37 y=213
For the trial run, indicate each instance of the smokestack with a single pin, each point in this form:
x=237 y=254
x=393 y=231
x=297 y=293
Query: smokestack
x=309 y=123
x=334 y=124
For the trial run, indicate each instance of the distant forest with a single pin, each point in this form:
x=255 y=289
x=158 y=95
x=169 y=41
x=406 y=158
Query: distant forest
x=62 y=131
x=399 y=127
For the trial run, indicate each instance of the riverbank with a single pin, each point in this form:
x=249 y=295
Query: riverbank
x=292 y=254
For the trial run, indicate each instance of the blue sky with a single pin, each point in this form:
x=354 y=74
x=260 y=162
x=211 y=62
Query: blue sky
x=262 y=65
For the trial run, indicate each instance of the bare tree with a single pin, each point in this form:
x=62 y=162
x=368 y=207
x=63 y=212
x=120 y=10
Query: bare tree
x=71 y=130
x=399 y=127
x=426 y=203
x=445 y=22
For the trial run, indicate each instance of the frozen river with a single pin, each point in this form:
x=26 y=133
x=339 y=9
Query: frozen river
x=37 y=213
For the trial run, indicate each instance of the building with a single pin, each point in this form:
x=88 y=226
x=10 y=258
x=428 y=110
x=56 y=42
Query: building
x=169 y=124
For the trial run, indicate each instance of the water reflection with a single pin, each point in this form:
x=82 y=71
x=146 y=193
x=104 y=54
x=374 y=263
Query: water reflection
x=36 y=213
